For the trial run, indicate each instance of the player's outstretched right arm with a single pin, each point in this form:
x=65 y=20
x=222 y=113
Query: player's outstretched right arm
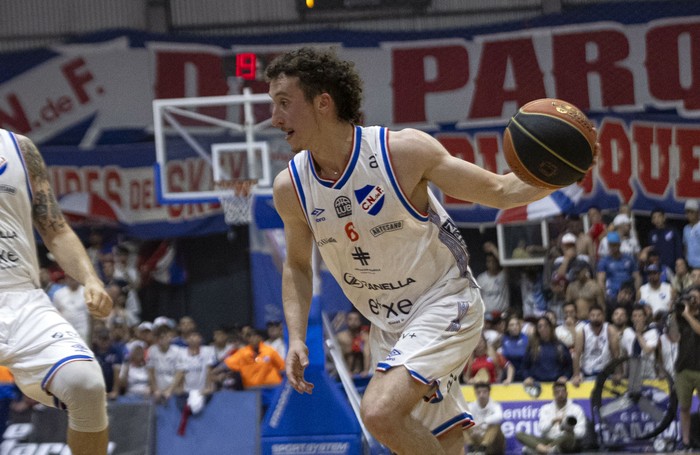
x=297 y=279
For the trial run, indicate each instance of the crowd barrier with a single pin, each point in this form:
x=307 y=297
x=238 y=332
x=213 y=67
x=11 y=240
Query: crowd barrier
x=231 y=423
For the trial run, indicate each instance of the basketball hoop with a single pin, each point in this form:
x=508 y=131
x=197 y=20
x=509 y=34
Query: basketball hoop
x=236 y=200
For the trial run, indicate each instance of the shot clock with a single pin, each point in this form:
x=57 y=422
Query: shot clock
x=243 y=65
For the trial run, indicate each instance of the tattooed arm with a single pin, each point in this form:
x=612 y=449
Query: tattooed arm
x=58 y=236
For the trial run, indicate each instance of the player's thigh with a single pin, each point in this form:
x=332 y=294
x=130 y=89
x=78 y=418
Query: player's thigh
x=452 y=441
x=393 y=391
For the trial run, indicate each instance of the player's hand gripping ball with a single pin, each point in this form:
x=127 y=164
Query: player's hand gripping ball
x=549 y=143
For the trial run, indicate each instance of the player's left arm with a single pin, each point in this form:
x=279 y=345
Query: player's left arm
x=456 y=177
x=57 y=235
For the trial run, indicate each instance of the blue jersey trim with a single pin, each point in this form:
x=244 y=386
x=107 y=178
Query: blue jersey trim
x=296 y=180
x=394 y=183
x=60 y=363
x=354 y=157
x=24 y=165
x=465 y=419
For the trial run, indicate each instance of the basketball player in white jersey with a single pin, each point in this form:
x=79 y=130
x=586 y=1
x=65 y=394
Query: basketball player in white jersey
x=49 y=360
x=361 y=195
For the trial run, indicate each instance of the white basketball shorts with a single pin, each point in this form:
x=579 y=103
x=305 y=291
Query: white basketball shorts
x=434 y=347
x=35 y=341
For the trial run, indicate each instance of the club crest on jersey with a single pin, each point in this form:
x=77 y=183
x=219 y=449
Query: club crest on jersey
x=370 y=198
x=3 y=164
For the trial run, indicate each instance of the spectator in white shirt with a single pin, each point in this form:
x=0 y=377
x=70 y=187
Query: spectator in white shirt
x=486 y=436
x=494 y=285
x=562 y=424
x=70 y=302
x=655 y=293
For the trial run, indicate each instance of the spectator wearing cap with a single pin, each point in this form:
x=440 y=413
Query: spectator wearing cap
x=655 y=293
x=664 y=239
x=691 y=234
x=622 y=225
x=616 y=267
x=584 y=242
x=562 y=264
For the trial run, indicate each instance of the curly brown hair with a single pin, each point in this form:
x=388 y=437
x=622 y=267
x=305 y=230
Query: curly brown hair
x=322 y=71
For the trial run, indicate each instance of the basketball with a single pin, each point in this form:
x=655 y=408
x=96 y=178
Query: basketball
x=549 y=143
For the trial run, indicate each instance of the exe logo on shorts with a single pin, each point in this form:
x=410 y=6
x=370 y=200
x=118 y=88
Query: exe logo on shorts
x=392 y=310
x=393 y=354
x=370 y=198
x=343 y=206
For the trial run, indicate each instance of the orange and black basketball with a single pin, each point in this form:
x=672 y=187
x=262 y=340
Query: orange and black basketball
x=549 y=143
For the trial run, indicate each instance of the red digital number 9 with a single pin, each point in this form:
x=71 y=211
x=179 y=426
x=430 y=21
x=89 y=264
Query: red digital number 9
x=351 y=232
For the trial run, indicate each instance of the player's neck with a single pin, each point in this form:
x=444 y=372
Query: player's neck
x=333 y=148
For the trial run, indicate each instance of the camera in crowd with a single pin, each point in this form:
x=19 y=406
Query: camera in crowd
x=680 y=303
x=569 y=423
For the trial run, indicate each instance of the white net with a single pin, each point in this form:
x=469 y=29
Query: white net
x=236 y=201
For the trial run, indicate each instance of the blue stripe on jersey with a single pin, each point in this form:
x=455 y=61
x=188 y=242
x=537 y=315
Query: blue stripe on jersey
x=296 y=180
x=354 y=157
x=465 y=419
x=24 y=165
x=394 y=183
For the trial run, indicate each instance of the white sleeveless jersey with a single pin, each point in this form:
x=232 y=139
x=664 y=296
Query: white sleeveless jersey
x=388 y=257
x=19 y=266
x=596 y=350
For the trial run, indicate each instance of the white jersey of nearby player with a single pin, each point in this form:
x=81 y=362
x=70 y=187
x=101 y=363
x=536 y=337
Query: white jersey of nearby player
x=388 y=256
x=596 y=350
x=19 y=266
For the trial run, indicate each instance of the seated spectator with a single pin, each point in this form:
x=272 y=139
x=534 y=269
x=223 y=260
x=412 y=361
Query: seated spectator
x=642 y=341
x=597 y=229
x=161 y=363
x=583 y=290
x=562 y=424
x=650 y=256
x=566 y=331
x=222 y=343
x=494 y=328
x=622 y=225
x=134 y=375
x=625 y=298
x=619 y=322
x=514 y=347
x=494 y=282
x=275 y=337
x=664 y=239
x=486 y=365
x=185 y=326
x=547 y=359
x=486 y=436
x=70 y=302
x=110 y=359
x=194 y=367
x=616 y=268
x=681 y=279
x=258 y=363
x=655 y=293
x=562 y=264
x=354 y=343
x=596 y=345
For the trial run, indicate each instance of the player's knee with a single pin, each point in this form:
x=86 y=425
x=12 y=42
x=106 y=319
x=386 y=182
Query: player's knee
x=80 y=387
x=377 y=418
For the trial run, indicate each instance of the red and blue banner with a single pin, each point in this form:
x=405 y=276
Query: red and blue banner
x=637 y=76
